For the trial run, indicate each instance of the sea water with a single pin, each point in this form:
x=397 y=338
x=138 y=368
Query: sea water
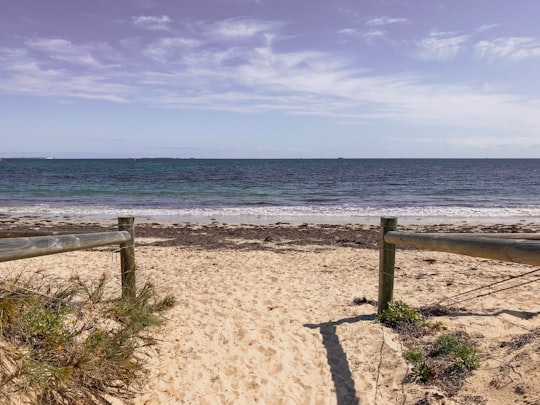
x=320 y=190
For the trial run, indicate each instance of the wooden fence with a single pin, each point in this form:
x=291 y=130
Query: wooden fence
x=24 y=245
x=518 y=248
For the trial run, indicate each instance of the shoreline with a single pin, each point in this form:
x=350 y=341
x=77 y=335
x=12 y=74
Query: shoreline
x=271 y=219
x=213 y=234
x=291 y=214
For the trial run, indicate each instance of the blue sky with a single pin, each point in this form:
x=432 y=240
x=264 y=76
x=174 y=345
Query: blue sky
x=270 y=78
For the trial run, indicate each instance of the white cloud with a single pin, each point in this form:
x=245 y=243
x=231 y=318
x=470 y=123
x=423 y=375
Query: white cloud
x=252 y=76
x=369 y=36
x=349 y=32
x=376 y=22
x=170 y=49
x=314 y=83
x=27 y=77
x=513 y=49
x=63 y=50
x=442 y=46
x=238 y=28
x=372 y=35
x=487 y=27
x=155 y=23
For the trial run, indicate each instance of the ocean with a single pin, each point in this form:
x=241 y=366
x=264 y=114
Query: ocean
x=301 y=190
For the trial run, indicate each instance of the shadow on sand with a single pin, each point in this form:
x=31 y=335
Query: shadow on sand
x=463 y=312
x=337 y=358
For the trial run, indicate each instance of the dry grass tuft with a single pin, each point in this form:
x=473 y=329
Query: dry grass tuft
x=66 y=344
x=519 y=341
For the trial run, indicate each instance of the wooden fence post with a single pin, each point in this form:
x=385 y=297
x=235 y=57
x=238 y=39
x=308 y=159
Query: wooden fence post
x=127 y=259
x=387 y=258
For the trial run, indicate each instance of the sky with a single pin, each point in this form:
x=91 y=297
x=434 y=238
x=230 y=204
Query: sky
x=270 y=78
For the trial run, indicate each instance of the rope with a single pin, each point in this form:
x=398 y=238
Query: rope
x=502 y=289
x=380 y=364
x=455 y=298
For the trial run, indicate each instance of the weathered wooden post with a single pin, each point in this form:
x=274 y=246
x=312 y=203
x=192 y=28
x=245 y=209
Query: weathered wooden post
x=127 y=259
x=387 y=258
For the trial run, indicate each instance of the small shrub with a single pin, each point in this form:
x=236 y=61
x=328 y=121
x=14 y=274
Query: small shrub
x=398 y=312
x=444 y=362
x=417 y=358
x=402 y=317
x=464 y=355
x=434 y=325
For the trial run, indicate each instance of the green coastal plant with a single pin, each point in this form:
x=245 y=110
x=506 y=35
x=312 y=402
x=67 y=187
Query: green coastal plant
x=142 y=310
x=417 y=358
x=70 y=345
x=464 y=356
x=400 y=315
x=445 y=361
x=398 y=312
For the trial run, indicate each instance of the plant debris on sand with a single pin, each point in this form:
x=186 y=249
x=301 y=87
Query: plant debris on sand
x=67 y=345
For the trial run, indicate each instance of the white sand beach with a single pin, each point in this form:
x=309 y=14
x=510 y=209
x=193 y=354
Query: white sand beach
x=279 y=326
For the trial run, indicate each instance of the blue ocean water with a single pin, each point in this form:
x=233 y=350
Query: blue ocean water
x=305 y=189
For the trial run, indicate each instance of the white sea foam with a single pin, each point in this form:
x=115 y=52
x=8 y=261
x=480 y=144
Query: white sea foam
x=296 y=213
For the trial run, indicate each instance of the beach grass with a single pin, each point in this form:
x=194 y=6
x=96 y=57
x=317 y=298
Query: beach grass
x=67 y=344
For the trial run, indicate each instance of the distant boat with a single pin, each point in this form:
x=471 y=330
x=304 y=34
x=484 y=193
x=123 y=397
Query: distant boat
x=50 y=158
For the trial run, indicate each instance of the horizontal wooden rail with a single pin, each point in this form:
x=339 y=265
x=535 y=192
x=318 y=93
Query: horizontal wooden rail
x=29 y=234
x=24 y=248
x=521 y=248
x=517 y=235
x=14 y=247
x=516 y=250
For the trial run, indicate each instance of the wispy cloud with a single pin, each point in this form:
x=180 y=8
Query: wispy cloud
x=170 y=49
x=441 y=46
x=306 y=83
x=156 y=23
x=63 y=50
x=369 y=36
x=487 y=27
x=385 y=20
x=349 y=32
x=239 y=28
x=374 y=29
x=512 y=49
x=29 y=78
x=231 y=66
x=372 y=35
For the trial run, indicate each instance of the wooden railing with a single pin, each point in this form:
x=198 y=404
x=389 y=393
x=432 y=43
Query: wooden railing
x=21 y=245
x=518 y=248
